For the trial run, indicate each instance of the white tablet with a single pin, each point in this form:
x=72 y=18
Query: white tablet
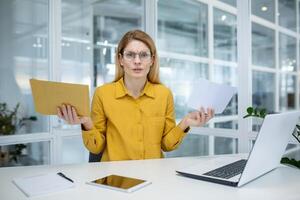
x=120 y=183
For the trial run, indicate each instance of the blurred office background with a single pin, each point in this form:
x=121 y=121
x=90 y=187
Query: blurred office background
x=74 y=41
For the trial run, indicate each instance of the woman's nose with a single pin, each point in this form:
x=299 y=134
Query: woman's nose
x=137 y=58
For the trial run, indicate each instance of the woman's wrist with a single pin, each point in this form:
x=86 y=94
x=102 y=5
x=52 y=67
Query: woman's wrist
x=183 y=124
x=88 y=125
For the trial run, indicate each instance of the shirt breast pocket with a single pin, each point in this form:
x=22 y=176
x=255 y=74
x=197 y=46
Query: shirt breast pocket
x=156 y=127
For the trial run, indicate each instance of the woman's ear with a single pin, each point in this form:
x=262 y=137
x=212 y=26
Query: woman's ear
x=120 y=60
x=152 y=61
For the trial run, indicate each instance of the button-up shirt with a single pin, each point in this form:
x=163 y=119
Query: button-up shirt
x=126 y=128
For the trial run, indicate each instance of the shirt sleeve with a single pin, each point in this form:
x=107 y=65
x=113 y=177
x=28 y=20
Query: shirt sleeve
x=173 y=135
x=94 y=140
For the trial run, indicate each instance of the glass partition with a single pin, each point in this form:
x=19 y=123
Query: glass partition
x=76 y=42
x=25 y=154
x=287 y=14
x=73 y=150
x=225 y=36
x=264 y=9
x=23 y=55
x=182 y=33
x=263 y=90
x=287 y=90
x=192 y=145
x=263 y=46
x=287 y=53
x=111 y=20
x=230 y=2
x=225 y=145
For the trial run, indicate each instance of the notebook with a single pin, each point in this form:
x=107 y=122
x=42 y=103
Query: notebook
x=42 y=184
x=265 y=156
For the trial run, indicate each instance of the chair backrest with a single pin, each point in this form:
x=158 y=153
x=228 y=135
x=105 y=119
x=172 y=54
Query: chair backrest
x=95 y=157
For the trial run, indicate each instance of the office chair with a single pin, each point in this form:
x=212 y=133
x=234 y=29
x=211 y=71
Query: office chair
x=95 y=157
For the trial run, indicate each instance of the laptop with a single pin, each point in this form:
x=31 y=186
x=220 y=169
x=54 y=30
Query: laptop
x=265 y=156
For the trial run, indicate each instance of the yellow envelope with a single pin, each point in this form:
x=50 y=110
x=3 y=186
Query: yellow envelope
x=47 y=95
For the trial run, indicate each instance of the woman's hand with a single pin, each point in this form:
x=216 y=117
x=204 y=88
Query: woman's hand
x=69 y=114
x=197 y=118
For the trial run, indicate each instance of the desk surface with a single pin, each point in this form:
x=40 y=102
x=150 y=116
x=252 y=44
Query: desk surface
x=281 y=183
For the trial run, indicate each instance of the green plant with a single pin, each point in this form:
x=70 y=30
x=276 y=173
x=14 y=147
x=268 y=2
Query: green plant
x=292 y=161
x=9 y=121
x=261 y=113
x=17 y=152
x=11 y=155
x=256 y=112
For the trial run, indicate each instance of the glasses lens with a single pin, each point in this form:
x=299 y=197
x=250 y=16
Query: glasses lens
x=129 y=55
x=144 y=56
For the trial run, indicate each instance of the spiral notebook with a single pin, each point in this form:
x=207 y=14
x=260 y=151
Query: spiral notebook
x=42 y=184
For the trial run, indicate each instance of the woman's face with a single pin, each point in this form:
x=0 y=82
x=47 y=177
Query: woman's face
x=136 y=60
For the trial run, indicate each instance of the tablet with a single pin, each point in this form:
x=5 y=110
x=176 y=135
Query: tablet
x=120 y=183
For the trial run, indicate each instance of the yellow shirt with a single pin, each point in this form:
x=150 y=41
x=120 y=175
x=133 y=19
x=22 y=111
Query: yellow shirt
x=130 y=129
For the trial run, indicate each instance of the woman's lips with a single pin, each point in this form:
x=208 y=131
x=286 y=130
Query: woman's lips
x=137 y=70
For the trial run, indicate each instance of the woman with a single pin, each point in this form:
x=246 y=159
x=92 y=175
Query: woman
x=133 y=117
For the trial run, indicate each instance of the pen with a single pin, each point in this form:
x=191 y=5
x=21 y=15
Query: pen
x=64 y=176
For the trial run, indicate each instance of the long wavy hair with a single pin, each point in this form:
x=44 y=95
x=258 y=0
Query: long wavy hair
x=153 y=75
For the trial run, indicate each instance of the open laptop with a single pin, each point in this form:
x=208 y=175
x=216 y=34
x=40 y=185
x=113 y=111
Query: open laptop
x=265 y=156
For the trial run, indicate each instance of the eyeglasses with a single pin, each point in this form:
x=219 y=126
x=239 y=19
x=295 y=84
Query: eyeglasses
x=143 y=55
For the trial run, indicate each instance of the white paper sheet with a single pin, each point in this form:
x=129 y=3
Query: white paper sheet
x=207 y=94
x=42 y=184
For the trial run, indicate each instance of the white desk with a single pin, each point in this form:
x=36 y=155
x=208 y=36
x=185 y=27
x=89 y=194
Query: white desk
x=282 y=183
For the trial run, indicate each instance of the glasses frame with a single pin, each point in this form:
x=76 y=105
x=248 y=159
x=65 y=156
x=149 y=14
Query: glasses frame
x=143 y=59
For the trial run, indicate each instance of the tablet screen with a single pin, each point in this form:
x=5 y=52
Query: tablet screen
x=118 y=181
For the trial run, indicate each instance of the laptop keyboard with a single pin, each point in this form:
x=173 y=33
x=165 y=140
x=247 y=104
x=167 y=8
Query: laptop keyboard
x=228 y=171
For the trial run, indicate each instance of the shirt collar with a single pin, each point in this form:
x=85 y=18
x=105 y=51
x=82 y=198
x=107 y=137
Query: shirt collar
x=122 y=91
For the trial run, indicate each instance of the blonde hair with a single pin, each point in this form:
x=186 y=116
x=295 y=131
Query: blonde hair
x=153 y=75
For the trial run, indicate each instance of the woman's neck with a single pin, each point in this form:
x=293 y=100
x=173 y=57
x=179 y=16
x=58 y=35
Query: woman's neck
x=135 y=86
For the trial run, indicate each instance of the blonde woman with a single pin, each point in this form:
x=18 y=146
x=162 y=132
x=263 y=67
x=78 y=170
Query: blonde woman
x=133 y=117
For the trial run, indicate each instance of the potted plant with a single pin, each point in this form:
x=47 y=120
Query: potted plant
x=10 y=155
x=9 y=121
x=261 y=113
x=9 y=124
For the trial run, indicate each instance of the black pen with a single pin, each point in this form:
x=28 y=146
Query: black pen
x=64 y=176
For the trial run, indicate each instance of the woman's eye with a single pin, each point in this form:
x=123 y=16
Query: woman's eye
x=131 y=55
x=143 y=55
